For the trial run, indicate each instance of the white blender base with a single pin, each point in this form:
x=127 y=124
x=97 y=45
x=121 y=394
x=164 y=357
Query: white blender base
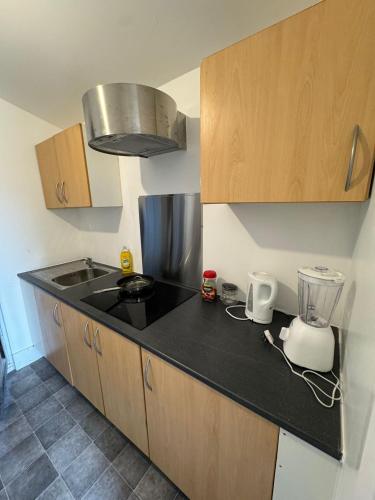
x=308 y=346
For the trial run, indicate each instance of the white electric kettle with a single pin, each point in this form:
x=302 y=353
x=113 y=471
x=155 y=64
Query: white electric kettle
x=261 y=297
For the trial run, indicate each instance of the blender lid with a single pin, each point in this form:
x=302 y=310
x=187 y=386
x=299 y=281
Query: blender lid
x=329 y=276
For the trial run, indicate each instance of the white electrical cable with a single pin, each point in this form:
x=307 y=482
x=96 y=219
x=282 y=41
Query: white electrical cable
x=232 y=315
x=336 y=385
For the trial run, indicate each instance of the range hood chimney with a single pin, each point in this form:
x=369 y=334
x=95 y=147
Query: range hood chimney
x=128 y=119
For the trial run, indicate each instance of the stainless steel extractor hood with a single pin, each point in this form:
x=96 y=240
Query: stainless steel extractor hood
x=132 y=120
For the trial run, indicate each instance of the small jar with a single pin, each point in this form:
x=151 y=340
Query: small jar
x=229 y=294
x=209 y=287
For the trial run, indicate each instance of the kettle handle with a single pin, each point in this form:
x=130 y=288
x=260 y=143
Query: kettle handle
x=272 y=282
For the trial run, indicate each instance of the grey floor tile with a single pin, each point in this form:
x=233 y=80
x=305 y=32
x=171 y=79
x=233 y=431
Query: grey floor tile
x=43 y=412
x=55 y=428
x=20 y=387
x=94 y=424
x=111 y=442
x=33 y=481
x=19 y=458
x=55 y=383
x=19 y=374
x=40 y=364
x=155 y=486
x=3 y=495
x=131 y=464
x=133 y=496
x=12 y=435
x=46 y=372
x=33 y=397
x=8 y=415
x=68 y=448
x=79 y=407
x=85 y=470
x=66 y=394
x=8 y=398
x=110 y=486
x=58 y=490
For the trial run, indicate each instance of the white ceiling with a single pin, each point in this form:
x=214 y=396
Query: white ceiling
x=52 y=51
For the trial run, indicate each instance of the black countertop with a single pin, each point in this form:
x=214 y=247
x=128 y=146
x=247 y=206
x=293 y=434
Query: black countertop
x=228 y=355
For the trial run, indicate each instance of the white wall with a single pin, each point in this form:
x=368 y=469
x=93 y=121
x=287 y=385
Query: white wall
x=32 y=236
x=357 y=479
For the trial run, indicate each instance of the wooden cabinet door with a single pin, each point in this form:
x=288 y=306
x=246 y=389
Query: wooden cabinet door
x=49 y=173
x=82 y=355
x=210 y=446
x=49 y=311
x=70 y=153
x=278 y=109
x=120 y=368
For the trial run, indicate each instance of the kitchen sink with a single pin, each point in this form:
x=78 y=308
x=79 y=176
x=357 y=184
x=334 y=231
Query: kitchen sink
x=79 y=276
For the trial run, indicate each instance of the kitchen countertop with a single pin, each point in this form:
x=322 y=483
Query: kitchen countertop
x=228 y=355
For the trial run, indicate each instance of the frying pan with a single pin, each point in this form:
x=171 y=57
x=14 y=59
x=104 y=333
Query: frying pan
x=132 y=286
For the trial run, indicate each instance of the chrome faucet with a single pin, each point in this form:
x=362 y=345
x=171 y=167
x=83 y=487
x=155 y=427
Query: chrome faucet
x=88 y=262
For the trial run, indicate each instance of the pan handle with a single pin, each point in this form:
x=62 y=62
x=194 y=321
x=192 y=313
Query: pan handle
x=113 y=289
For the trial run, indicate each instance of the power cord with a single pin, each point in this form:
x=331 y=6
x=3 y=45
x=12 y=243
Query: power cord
x=336 y=385
x=313 y=386
x=233 y=316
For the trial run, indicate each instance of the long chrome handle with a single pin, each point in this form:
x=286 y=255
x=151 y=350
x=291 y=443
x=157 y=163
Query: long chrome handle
x=54 y=314
x=147 y=368
x=85 y=333
x=63 y=194
x=58 y=192
x=352 y=157
x=95 y=342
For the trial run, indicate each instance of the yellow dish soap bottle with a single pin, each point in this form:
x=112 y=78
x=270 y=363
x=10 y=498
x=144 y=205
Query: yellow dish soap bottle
x=126 y=260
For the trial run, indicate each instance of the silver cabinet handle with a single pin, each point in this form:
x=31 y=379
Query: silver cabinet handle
x=85 y=333
x=147 y=368
x=352 y=157
x=97 y=349
x=58 y=192
x=63 y=194
x=54 y=314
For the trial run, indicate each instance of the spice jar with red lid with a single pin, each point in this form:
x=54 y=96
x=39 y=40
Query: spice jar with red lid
x=209 y=287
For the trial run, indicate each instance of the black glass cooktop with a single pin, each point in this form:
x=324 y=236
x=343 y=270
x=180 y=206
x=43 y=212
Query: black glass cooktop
x=141 y=312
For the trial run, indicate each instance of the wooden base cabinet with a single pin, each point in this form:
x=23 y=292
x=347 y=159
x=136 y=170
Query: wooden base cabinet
x=211 y=447
x=107 y=370
x=120 y=369
x=53 y=335
x=280 y=110
x=82 y=355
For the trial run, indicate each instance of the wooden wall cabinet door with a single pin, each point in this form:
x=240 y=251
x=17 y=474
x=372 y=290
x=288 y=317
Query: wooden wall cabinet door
x=49 y=173
x=210 y=446
x=279 y=110
x=49 y=311
x=74 y=175
x=70 y=153
x=82 y=355
x=120 y=368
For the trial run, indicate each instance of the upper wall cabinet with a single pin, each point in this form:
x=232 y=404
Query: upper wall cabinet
x=288 y=114
x=74 y=175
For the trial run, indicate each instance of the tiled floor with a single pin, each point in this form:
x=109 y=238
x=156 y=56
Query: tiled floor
x=55 y=445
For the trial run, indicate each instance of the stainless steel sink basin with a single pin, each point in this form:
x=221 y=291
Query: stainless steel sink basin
x=79 y=276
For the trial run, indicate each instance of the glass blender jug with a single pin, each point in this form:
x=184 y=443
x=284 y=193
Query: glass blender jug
x=319 y=290
x=309 y=341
